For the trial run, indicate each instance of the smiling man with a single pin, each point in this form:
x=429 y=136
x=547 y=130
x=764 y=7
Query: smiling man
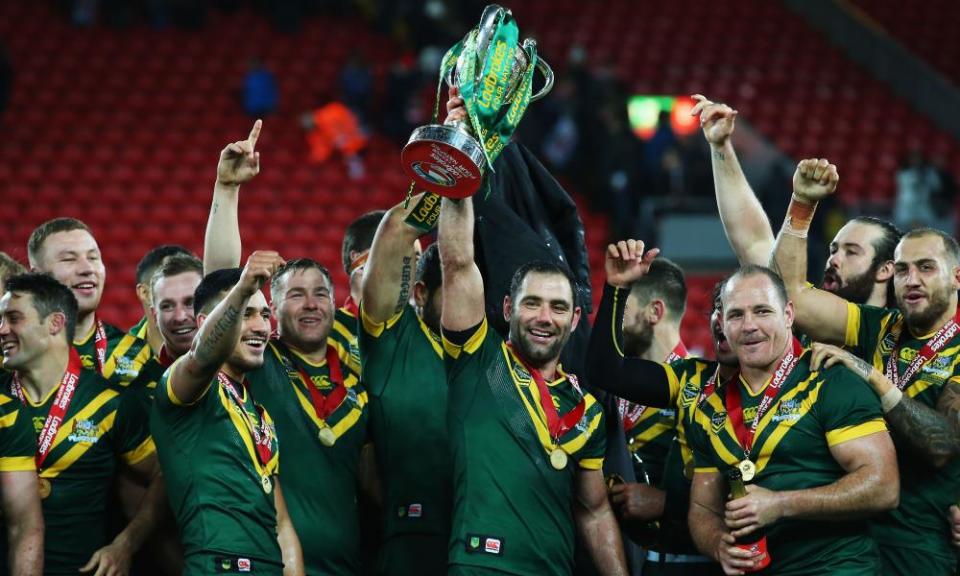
x=66 y=249
x=812 y=444
x=911 y=355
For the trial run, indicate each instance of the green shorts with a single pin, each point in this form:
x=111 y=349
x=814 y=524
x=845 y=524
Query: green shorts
x=908 y=562
x=421 y=554
x=461 y=570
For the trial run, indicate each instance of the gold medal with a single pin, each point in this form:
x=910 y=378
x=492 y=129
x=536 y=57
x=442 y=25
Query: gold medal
x=747 y=470
x=267 y=484
x=45 y=488
x=558 y=458
x=327 y=437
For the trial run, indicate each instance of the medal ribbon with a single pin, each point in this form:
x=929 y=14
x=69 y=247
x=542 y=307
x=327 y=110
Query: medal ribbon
x=100 y=344
x=630 y=413
x=164 y=357
x=58 y=410
x=261 y=434
x=934 y=345
x=735 y=406
x=556 y=425
x=325 y=406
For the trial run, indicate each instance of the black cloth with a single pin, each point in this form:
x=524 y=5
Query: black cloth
x=608 y=370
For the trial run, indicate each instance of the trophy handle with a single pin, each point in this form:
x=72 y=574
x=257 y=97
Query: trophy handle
x=547 y=72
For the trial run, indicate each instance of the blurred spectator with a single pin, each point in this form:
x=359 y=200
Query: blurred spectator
x=661 y=157
x=260 y=93
x=918 y=183
x=403 y=84
x=334 y=128
x=6 y=80
x=356 y=85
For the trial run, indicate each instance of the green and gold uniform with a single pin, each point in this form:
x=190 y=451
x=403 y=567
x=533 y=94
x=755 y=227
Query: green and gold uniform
x=139 y=329
x=914 y=538
x=215 y=480
x=405 y=376
x=18 y=441
x=513 y=512
x=319 y=482
x=812 y=412
x=126 y=354
x=344 y=336
x=104 y=424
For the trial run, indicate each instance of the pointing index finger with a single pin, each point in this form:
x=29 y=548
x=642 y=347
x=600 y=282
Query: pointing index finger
x=255 y=133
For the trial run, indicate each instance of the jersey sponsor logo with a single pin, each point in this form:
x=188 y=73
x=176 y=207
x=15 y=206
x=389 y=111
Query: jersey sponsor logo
x=667 y=413
x=788 y=410
x=481 y=544
x=244 y=565
x=888 y=342
x=125 y=367
x=718 y=420
x=415 y=511
x=38 y=422
x=401 y=512
x=232 y=565
x=907 y=354
x=689 y=395
x=87 y=360
x=321 y=382
x=84 y=431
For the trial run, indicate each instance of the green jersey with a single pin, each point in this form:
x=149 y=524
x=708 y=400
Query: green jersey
x=125 y=354
x=344 y=336
x=404 y=374
x=319 y=482
x=139 y=329
x=812 y=412
x=103 y=424
x=18 y=442
x=919 y=524
x=513 y=511
x=220 y=492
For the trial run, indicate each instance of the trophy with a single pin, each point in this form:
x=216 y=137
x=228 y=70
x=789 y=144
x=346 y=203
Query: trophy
x=495 y=77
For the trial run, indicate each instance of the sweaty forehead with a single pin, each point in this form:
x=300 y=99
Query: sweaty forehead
x=744 y=293
x=920 y=248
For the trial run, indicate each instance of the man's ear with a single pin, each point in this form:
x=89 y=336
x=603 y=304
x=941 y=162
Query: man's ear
x=577 y=313
x=656 y=311
x=143 y=294
x=885 y=272
x=56 y=323
x=507 y=308
x=420 y=294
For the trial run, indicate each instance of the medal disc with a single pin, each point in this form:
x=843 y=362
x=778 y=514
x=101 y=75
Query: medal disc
x=747 y=470
x=45 y=488
x=267 y=484
x=327 y=437
x=558 y=458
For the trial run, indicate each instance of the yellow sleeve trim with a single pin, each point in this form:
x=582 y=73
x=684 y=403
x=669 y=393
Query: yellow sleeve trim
x=847 y=433
x=374 y=328
x=173 y=397
x=675 y=386
x=591 y=463
x=18 y=464
x=853 y=325
x=141 y=452
x=472 y=344
x=706 y=470
x=8 y=419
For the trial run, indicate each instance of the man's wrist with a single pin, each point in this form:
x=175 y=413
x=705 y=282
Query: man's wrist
x=890 y=399
x=226 y=186
x=799 y=216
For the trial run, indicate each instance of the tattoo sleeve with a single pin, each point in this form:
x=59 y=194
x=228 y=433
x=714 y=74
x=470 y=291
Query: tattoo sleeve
x=211 y=347
x=925 y=429
x=404 y=295
x=861 y=367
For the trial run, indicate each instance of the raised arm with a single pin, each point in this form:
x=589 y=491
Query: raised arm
x=634 y=379
x=707 y=527
x=462 y=284
x=597 y=525
x=819 y=314
x=239 y=163
x=385 y=292
x=744 y=221
x=220 y=331
x=24 y=518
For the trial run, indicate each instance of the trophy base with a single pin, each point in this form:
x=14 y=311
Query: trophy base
x=444 y=160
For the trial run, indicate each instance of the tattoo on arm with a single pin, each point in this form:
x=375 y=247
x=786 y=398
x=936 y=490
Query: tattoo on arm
x=216 y=205
x=208 y=346
x=924 y=428
x=404 y=285
x=861 y=367
x=719 y=155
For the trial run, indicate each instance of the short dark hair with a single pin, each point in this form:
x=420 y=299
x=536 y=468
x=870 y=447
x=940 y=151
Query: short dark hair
x=749 y=270
x=884 y=246
x=174 y=265
x=428 y=268
x=152 y=260
x=540 y=267
x=359 y=235
x=663 y=280
x=49 y=296
x=717 y=294
x=49 y=228
x=9 y=267
x=210 y=291
x=950 y=246
x=299 y=264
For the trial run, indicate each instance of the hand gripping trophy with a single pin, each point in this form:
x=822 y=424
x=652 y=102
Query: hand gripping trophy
x=495 y=77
